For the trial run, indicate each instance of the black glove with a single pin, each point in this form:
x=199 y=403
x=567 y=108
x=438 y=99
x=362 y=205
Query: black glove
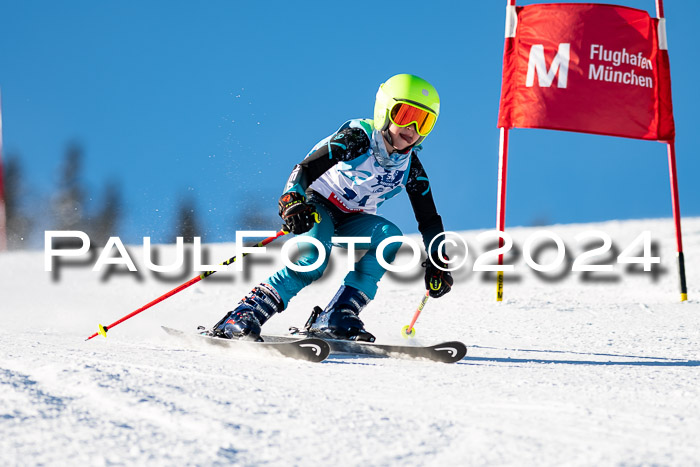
x=437 y=281
x=298 y=216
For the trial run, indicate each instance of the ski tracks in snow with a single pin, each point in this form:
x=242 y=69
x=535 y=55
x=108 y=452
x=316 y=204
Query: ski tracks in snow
x=560 y=373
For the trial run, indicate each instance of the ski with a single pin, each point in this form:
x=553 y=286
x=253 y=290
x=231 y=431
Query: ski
x=317 y=349
x=310 y=349
x=444 y=352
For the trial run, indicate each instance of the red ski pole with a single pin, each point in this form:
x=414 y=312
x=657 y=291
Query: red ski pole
x=103 y=329
x=409 y=330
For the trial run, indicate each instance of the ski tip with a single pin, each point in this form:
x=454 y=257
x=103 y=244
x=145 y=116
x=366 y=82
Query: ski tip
x=451 y=352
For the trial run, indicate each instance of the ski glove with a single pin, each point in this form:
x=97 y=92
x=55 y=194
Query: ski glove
x=298 y=216
x=437 y=281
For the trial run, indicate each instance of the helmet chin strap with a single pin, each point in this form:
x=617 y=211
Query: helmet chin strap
x=387 y=136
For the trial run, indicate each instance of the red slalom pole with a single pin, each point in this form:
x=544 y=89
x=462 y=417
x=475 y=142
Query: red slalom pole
x=673 y=173
x=501 y=208
x=508 y=46
x=672 y=169
x=103 y=329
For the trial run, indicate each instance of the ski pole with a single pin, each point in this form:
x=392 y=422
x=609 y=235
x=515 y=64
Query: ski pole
x=409 y=330
x=103 y=329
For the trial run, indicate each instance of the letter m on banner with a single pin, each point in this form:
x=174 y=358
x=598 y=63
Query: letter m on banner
x=588 y=68
x=536 y=65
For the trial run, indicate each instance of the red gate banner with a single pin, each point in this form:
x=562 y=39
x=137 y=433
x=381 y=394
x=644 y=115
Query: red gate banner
x=589 y=68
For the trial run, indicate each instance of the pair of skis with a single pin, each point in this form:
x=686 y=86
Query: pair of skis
x=309 y=348
x=314 y=349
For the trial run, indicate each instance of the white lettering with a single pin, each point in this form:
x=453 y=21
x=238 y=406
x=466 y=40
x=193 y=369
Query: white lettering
x=595 y=73
x=351 y=241
x=617 y=57
x=241 y=250
x=537 y=63
x=123 y=257
x=406 y=267
x=303 y=239
x=179 y=258
x=50 y=252
x=610 y=74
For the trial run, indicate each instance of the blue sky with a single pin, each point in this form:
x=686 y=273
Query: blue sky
x=220 y=99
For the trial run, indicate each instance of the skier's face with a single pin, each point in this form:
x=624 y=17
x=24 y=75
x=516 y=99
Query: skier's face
x=403 y=137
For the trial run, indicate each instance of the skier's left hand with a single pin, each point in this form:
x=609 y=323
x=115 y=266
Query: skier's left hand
x=437 y=281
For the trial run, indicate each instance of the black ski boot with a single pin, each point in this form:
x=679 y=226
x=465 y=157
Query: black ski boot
x=245 y=321
x=340 y=319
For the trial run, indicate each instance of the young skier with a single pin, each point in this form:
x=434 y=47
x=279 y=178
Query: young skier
x=335 y=191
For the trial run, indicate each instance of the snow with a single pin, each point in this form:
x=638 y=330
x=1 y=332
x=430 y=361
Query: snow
x=567 y=371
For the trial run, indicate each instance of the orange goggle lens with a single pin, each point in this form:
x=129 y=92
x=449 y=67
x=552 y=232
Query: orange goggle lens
x=403 y=114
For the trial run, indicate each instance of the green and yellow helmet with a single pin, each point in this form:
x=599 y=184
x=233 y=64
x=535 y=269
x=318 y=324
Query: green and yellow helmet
x=404 y=88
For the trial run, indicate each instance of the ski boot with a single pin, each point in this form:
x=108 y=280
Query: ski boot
x=245 y=321
x=340 y=319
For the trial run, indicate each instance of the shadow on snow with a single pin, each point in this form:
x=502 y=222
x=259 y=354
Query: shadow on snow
x=639 y=360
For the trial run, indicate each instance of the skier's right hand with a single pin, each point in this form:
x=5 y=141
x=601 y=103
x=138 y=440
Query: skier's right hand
x=298 y=216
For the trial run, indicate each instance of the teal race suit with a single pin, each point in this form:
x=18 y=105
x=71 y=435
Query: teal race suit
x=346 y=177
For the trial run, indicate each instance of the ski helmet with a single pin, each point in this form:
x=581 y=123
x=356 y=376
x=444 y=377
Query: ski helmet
x=404 y=88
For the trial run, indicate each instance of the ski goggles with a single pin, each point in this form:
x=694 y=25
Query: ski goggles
x=404 y=114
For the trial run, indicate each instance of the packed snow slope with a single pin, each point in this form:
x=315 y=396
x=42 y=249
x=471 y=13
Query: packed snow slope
x=570 y=369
